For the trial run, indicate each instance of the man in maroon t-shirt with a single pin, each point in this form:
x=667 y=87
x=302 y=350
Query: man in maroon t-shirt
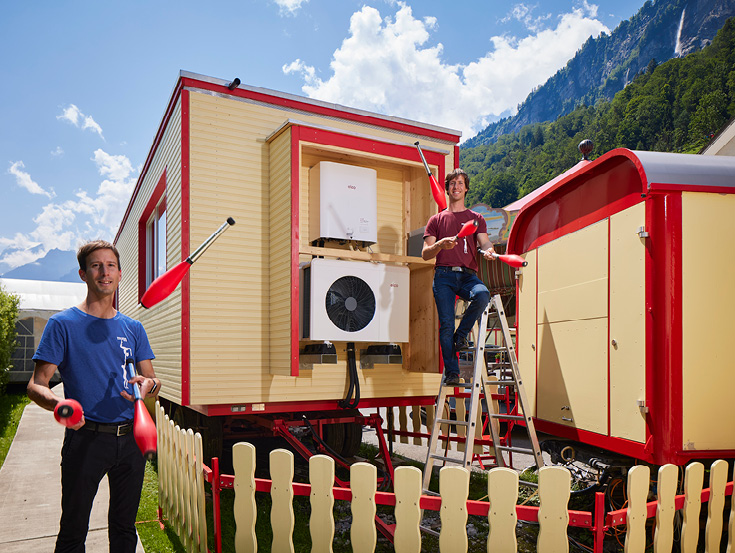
x=455 y=273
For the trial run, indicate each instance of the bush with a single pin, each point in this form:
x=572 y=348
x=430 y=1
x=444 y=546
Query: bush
x=8 y=315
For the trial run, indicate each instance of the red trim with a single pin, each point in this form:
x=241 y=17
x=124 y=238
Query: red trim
x=292 y=103
x=667 y=187
x=456 y=156
x=185 y=245
x=303 y=406
x=666 y=415
x=650 y=274
x=609 y=409
x=143 y=257
x=295 y=233
x=617 y=445
x=152 y=152
x=303 y=134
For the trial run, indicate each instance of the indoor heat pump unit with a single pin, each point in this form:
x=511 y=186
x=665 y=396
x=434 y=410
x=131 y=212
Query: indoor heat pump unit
x=347 y=200
x=354 y=301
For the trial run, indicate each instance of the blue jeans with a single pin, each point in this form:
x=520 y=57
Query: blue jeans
x=447 y=286
x=86 y=457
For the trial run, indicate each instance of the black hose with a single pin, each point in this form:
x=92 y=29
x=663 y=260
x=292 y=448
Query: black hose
x=354 y=385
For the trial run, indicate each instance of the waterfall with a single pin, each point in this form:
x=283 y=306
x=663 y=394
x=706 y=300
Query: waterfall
x=677 y=47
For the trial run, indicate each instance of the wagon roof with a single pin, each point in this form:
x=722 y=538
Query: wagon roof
x=612 y=182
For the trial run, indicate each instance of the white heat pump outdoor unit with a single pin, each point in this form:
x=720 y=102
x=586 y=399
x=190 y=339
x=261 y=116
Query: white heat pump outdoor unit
x=347 y=197
x=354 y=301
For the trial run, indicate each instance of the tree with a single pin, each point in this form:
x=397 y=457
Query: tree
x=8 y=315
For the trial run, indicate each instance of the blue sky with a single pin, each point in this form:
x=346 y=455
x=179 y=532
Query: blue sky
x=85 y=82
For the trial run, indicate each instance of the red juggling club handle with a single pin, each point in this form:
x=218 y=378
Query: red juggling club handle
x=144 y=430
x=162 y=287
x=68 y=412
x=436 y=190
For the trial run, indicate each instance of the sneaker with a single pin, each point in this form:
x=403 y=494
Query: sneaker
x=461 y=344
x=451 y=379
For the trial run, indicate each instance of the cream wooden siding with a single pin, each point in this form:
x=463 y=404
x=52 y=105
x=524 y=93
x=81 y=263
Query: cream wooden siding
x=231 y=350
x=526 y=344
x=162 y=322
x=708 y=304
x=280 y=260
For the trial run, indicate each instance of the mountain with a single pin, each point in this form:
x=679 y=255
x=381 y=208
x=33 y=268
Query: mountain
x=605 y=65
x=56 y=265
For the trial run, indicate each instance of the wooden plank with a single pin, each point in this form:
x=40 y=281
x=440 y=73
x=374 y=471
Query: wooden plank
x=243 y=462
x=407 y=537
x=693 y=481
x=321 y=522
x=639 y=478
x=403 y=423
x=502 y=493
x=201 y=522
x=454 y=488
x=731 y=525
x=553 y=517
x=663 y=538
x=282 y=516
x=363 y=484
x=716 y=506
x=416 y=419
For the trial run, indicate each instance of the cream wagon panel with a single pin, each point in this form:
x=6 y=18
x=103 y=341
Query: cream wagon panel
x=708 y=304
x=627 y=324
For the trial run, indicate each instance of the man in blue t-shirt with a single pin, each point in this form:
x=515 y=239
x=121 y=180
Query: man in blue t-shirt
x=89 y=344
x=455 y=273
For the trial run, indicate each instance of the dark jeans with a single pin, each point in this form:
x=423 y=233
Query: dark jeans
x=86 y=457
x=447 y=286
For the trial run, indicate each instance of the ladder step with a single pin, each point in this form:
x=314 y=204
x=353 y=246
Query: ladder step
x=448 y=459
x=429 y=531
x=507 y=417
x=517 y=449
x=459 y=385
x=429 y=492
x=502 y=382
x=451 y=421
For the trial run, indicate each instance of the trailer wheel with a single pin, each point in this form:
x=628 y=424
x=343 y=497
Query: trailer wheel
x=334 y=437
x=353 y=439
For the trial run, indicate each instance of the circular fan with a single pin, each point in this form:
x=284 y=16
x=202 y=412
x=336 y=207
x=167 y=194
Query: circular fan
x=350 y=303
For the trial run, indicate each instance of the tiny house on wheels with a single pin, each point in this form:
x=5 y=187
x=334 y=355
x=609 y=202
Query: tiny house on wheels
x=624 y=311
x=312 y=293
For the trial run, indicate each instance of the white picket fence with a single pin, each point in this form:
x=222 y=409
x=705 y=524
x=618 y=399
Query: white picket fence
x=181 y=489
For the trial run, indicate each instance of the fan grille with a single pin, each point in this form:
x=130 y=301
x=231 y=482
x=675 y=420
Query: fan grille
x=350 y=303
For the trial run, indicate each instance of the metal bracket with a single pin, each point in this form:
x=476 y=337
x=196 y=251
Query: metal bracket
x=317 y=354
x=642 y=405
x=382 y=355
x=641 y=232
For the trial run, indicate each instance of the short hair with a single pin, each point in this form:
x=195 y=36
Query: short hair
x=86 y=249
x=454 y=174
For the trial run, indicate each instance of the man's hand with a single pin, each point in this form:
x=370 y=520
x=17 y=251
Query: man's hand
x=489 y=253
x=146 y=385
x=447 y=243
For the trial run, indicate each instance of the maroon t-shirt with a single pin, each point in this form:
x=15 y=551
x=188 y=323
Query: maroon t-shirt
x=448 y=223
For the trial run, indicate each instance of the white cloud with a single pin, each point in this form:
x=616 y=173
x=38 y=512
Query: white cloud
x=524 y=14
x=65 y=225
x=289 y=7
x=73 y=115
x=385 y=65
x=58 y=152
x=24 y=180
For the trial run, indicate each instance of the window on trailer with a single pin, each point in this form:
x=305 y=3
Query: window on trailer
x=156 y=243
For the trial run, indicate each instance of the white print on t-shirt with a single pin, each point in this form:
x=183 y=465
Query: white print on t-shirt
x=465 y=245
x=127 y=352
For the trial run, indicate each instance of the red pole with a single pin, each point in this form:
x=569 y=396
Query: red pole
x=599 y=527
x=216 y=505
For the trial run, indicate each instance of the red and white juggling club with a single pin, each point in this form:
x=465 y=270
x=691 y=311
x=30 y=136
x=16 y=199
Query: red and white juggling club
x=144 y=430
x=468 y=228
x=515 y=261
x=436 y=190
x=68 y=412
x=162 y=287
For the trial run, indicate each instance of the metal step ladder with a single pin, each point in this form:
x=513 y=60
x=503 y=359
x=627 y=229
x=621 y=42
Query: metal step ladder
x=481 y=384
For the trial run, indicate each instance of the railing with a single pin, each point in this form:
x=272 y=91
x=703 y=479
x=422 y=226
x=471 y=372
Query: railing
x=181 y=481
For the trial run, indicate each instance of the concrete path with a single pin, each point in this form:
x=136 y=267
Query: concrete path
x=30 y=489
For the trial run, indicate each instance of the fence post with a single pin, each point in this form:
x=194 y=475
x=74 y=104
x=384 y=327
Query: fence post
x=243 y=461
x=216 y=488
x=693 y=480
x=321 y=523
x=553 y=516
x=282 y=517
x=454 y=488
x=639 y=478
x=668 y=478
x=502 y=493
x=599 y=527
x=717 y=481
x=407 y=538
x=363 y=483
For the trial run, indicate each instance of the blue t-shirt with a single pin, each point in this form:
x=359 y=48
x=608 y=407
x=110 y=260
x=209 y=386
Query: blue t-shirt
x=90 y=353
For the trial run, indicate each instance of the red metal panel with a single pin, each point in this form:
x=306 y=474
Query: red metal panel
x=185 y=245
